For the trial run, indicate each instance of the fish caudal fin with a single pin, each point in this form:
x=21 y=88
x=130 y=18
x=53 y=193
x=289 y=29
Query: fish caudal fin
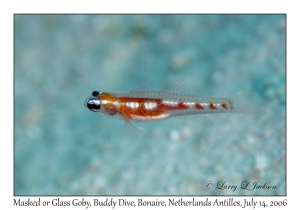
x=245 y=104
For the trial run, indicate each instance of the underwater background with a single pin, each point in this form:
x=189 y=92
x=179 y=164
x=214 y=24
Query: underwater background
x=62 y=148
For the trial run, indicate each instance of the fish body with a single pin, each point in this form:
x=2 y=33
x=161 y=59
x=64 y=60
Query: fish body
x=148 y=105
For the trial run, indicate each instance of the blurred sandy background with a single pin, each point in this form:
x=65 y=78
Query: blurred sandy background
x=61 y=148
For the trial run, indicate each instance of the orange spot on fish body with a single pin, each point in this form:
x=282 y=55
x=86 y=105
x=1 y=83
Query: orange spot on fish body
x=212 y=106
x=224 y=106
x=178 y=106
x=182 y=106
x=199 y=106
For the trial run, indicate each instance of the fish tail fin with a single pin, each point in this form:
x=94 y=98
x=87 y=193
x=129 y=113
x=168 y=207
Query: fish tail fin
x=245 y=104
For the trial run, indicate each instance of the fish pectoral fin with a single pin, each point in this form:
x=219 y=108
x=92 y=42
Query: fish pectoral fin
x=129 y=127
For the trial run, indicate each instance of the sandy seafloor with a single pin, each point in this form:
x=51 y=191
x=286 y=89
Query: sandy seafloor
x=62 y=148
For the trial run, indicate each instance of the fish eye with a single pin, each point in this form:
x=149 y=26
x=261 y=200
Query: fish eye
x=95 y=93
x=93 y=104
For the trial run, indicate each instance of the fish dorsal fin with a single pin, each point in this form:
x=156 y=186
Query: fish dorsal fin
x=176 y=85
x=153 y=85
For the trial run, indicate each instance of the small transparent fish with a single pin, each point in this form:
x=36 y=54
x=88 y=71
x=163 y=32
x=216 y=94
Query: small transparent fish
x=140 y=105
